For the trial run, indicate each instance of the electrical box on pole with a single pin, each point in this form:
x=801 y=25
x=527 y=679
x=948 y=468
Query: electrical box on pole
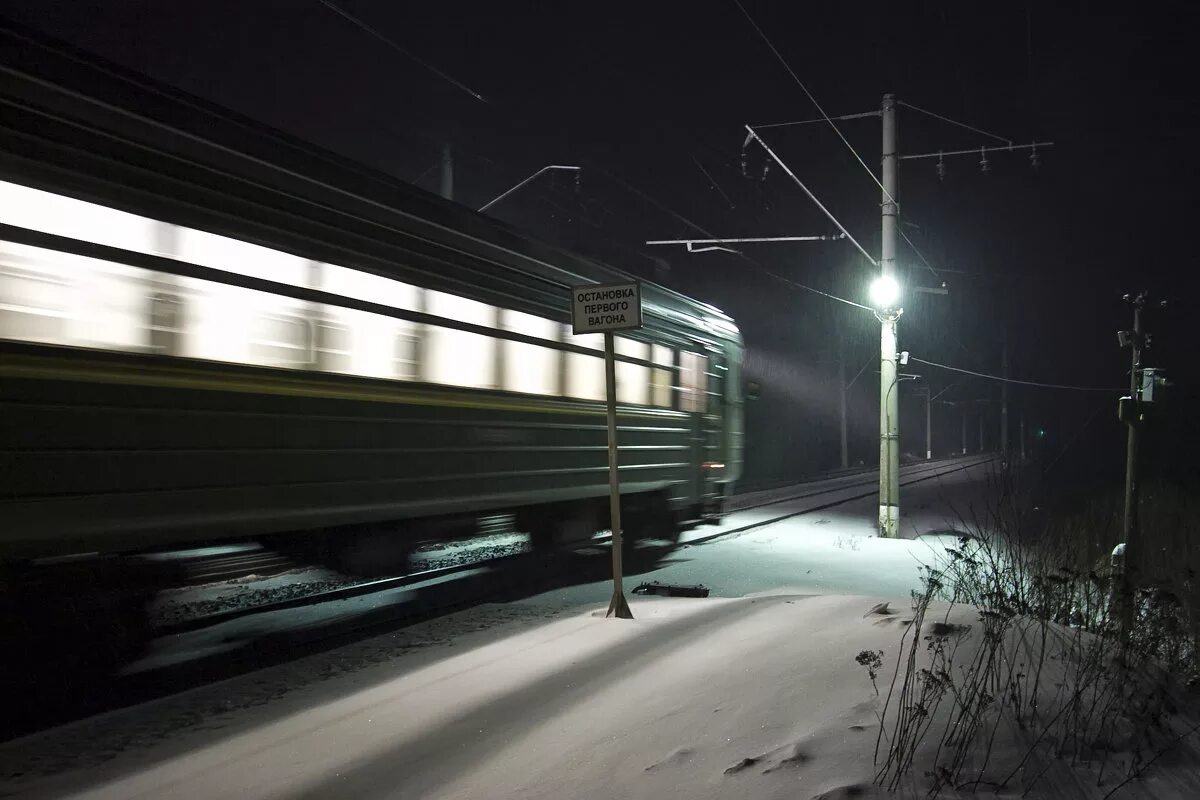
x=1153 y=383
x=603 y=309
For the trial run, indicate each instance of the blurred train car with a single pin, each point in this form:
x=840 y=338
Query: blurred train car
x=210 y=330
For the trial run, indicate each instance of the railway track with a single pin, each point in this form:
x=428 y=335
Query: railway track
x=207 y=651
x=233 y=562
x=917 y=474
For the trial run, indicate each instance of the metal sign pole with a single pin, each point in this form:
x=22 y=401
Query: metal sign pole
x=617 y=607
x=604 y=308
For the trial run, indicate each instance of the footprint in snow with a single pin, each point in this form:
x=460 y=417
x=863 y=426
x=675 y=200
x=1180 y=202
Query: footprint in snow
x=880 y=609
x=678 y=756
x=745 y=763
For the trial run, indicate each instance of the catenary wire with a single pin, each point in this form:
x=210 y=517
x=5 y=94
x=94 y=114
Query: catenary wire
x=954 y=122
x=812 y=197
x=799 y=82
x=368 y=29
x=712 y=181
x=920 y=255
x=1014 y=380
x=861 y=115
x=407 y=53
x=743 y=256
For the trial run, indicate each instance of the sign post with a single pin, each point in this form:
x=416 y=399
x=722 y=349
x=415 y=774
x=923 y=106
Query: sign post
x=605 y=308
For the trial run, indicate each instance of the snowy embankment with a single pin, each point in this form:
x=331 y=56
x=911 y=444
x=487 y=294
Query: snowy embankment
x=754 y=697
x=752 y=693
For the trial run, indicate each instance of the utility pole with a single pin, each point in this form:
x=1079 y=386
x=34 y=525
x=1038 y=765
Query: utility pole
x=889 y=404
x=981 y=430
x=447 y=188
x=1131 y=414
x=1004 y=401
x=964 y=428
x=1144 y=384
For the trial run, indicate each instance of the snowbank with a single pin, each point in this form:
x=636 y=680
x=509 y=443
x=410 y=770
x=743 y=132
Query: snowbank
x=752 y=697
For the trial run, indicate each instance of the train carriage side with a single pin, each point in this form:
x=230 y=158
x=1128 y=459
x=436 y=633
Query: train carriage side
x=210 y=329
x=144 y=408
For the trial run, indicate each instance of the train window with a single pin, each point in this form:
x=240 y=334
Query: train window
x=58 y=298
x=455 y=357
x=31 y=295
x=406 y=352
x=716 y=388
x=334 y=345
x=223 y=321
x=692 y=381
x=166 y=320
x=633 y=380
x=374 y=345
x=110 y=309
x=662 y=380
x=282 y=340
x=236 y=324
x=585 y=374
x=78 y=219
x=528 y=367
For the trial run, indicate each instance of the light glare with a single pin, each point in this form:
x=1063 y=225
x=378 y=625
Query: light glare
x=885 y=292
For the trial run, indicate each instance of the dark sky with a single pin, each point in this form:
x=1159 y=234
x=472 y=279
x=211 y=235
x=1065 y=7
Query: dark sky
x=650 y=96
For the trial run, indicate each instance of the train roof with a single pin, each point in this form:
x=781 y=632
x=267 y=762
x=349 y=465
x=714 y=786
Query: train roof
x=100 y=131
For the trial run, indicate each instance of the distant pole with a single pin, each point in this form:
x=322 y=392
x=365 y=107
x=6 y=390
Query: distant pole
x=981 y=430
x=618 y=607
x=1022 y=437
x=964 y=429
x=842 y=401
x=447 y=190
x=928 y=426
x=889 y=405
x=1004 y=401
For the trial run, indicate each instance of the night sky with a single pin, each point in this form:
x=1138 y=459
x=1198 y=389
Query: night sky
x=651 y=98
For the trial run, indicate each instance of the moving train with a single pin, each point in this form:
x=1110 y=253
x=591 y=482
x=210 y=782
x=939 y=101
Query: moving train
x=210 y=330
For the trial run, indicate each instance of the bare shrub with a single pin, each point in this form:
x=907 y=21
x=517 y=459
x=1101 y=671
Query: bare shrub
x=1047 y=669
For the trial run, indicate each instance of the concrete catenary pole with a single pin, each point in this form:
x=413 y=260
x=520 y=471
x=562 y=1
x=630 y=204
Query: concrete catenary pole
x=842 y=402
x=447 y=187
x=928 y=426
x=889 y=405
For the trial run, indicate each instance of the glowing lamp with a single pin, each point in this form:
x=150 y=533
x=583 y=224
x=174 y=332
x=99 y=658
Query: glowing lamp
x=885 y=292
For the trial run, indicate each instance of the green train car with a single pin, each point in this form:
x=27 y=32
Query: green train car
x=210 y=331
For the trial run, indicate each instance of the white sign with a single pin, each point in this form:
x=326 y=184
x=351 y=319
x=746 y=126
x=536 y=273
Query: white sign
x=606 y=307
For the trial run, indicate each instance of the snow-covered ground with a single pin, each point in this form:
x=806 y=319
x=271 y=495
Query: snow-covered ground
x=752 y=692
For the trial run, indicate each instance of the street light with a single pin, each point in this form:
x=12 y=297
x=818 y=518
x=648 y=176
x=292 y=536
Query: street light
x=884 y=293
